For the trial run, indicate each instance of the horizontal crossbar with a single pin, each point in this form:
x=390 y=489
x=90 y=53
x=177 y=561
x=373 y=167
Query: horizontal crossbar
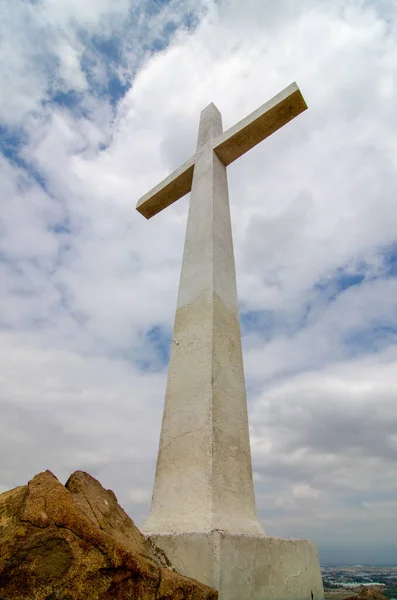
x=229 y=146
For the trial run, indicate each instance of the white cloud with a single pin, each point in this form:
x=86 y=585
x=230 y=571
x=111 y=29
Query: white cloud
x=304 y=491
x=70 y=70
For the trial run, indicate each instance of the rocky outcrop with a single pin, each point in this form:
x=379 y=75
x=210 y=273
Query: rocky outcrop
x=368 y=593
x=75 y=542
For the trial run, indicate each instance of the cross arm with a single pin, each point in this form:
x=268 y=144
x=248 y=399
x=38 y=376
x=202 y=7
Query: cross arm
x=168 y=191
x=229 y=146
x=264 y=121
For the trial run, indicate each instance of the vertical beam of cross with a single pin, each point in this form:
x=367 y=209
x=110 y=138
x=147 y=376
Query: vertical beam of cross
x=203 y=476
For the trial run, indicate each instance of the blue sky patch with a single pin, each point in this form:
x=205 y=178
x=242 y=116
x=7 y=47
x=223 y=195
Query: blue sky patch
x=389 y=255
x=190 y=20
x=62 y=228
x=341 y=280
x=69 y=99
x=11 y=142
x=261 y=322
x=116 y=89
x=108 y=47
x=159 y=339
x=154 y=7
x=372 y=339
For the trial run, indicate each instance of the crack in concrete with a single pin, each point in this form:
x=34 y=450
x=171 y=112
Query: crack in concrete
x=176 y=437
x=293 y=575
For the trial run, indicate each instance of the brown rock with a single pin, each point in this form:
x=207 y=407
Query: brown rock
x=77 y=543
x=102 y=508
x=368 y=593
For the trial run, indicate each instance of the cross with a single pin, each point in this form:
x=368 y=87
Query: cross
x=203 y=478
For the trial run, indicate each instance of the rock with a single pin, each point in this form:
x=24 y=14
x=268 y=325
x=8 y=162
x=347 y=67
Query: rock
x=368 y=593
x=102 y=508
x=75 y=542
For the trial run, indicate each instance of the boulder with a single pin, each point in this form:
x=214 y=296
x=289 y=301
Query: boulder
x=75 y=542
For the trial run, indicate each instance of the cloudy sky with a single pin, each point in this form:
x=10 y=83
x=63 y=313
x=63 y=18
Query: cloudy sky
x=100 y=101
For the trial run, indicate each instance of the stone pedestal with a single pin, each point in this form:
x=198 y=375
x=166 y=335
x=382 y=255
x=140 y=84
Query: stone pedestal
x=245 y=566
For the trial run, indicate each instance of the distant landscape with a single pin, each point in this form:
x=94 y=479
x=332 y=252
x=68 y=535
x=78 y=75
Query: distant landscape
x=341 y=581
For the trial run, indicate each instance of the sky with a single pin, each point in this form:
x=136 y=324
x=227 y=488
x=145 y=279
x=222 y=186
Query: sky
x=101 y=101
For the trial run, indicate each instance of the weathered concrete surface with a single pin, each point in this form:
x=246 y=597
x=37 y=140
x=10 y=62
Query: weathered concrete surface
x=75 y=542
x=257 y=126
x=247 y=567
x=204 y=473
x=175 y=186
x=228 y=146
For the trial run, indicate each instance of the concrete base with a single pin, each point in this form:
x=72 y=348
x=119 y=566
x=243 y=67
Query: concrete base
x=246 y=567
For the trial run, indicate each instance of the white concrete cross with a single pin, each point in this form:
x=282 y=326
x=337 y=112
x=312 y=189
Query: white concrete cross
x=203 y=479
